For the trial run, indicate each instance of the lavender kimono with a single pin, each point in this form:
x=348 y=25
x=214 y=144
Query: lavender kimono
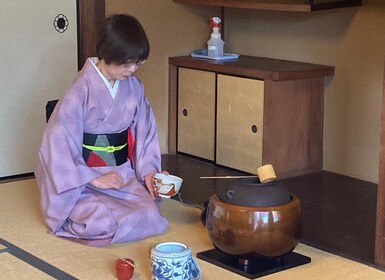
x=71 y=206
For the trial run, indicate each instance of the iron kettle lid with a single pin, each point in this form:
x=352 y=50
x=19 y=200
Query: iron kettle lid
x=251 y=192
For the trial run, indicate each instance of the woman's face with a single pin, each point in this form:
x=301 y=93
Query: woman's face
x=119 y=71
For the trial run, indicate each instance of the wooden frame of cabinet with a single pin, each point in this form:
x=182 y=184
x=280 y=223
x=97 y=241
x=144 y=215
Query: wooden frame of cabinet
x=283 y=81
x=289 y=6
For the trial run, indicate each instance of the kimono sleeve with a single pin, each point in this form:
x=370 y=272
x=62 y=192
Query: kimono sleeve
x=147 y=155
x=61 y=149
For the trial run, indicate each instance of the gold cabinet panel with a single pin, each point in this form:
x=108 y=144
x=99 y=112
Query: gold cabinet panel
x=239 y=122
x=196 y=113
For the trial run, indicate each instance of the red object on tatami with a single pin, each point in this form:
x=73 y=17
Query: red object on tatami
x=124 y=269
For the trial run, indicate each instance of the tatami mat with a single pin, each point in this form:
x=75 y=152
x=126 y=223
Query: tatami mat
x=12 y=267
x=21 y=225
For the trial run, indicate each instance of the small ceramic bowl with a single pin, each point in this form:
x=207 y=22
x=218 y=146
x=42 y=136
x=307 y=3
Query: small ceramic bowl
x=167 y=185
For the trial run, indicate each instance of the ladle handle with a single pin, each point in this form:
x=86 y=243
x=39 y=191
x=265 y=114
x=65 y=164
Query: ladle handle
x=265 y=173
x=229 y=177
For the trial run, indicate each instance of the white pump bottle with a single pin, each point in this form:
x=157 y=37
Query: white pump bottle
x=215 y=44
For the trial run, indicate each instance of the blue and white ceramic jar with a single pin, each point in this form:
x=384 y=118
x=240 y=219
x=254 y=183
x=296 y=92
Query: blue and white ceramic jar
x=173 y=261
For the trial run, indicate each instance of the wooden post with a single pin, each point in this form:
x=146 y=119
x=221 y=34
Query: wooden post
x=379 y=257
x=91 y=14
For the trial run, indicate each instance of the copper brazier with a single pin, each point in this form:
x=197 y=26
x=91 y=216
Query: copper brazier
x=252 y=232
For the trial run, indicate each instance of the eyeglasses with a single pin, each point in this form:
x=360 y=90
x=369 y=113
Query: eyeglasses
x=130 y=64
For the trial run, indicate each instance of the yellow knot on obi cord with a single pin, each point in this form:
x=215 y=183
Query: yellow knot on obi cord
x=108 y=149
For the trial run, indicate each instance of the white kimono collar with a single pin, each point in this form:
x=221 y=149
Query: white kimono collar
x=112 y=89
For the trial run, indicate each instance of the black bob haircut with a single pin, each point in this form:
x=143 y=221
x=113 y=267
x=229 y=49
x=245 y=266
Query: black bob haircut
x=121 y=39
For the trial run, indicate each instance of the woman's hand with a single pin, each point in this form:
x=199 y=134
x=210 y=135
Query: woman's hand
x=110 y=180
x=149 y=181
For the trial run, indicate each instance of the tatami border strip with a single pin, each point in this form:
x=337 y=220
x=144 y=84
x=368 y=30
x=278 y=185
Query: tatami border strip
x=34 y=261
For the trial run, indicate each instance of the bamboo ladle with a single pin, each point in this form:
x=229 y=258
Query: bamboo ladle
x=265 y=173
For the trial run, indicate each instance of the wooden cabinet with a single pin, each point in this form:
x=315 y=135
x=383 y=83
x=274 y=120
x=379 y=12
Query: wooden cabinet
x=248 y=112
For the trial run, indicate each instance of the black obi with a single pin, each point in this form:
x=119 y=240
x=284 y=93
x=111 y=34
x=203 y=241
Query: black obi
x=107 y=149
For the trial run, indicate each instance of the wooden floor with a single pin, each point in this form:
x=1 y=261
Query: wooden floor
x=338 y=211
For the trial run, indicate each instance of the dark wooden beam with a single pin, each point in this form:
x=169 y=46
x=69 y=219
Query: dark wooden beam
x=299 y=6
x=380 y=217
x=91 y=14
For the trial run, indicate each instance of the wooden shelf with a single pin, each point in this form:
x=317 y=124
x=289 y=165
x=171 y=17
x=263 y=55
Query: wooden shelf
x=257 y=67
x=278 y=5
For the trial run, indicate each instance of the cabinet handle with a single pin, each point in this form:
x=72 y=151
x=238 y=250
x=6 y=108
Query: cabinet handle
x=254 y=128
x=185 y=113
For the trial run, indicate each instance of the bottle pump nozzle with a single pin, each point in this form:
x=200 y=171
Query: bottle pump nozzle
x=215 y=21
